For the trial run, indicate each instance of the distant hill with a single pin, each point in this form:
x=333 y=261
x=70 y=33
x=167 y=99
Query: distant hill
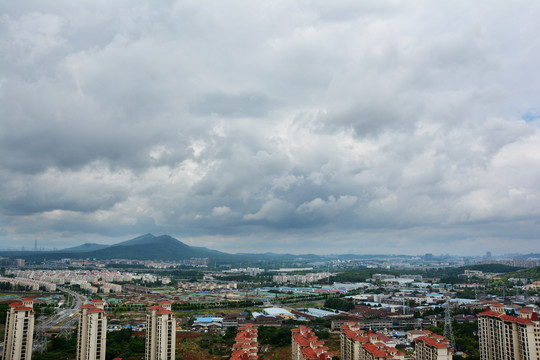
x=526 y=256
x=85 y=248
x=149 y=247
x=145 y=247
x=533 y=274
x=139 y=240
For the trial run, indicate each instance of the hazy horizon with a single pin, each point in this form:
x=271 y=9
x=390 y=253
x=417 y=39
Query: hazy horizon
x=319 y=127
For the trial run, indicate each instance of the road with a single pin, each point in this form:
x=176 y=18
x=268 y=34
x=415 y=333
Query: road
x=61 y=320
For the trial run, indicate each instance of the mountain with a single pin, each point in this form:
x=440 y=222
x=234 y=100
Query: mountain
x=85 y=248
x=145 y=247
x=139 y=240
x=150 y=247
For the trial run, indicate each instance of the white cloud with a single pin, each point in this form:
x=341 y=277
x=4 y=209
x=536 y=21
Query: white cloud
x=393 y=123
x=273 y=210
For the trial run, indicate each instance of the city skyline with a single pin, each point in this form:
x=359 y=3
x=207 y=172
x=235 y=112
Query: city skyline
x=287 y=127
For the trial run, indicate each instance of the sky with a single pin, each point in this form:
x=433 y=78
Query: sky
x=344 y=126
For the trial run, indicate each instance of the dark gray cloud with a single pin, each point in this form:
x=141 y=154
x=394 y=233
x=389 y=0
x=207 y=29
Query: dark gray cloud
x=245 y=126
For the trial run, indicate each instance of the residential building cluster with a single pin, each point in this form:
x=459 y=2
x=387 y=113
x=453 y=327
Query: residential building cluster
x=90 y=280
x=33 y=285
x=85 y=285
x=433 y=347
x=98 y=286
x=196 y=262
x=359 y=345
x=244 y=271
x=107 y=287
x=61 y=277
x=299 y=279
x=246 y=345
x=307 y=346
x=6 y=261
x=207 y=285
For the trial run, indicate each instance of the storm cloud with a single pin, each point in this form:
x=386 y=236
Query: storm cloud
x=343 y=126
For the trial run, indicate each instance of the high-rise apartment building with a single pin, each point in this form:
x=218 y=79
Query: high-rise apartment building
x=19 y=331
x=92 y=334
x=507 y=337
x=160 y=332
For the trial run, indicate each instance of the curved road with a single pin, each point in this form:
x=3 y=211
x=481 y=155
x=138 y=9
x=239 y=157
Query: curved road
x=62 y=320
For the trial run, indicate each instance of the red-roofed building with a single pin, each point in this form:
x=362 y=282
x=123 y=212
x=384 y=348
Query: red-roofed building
x=246 y=345
x=352 y=339
x=371 y=351
x=92 y=335
x=413 y=334
x=306 y=345
x=160 y=332
x=98 y=303
x=504 y=336
x=19 y=331
x=357 y=344
x=433 y=347
x=165 y=304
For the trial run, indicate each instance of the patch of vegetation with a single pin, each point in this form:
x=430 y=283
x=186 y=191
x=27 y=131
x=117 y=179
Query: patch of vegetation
x=533 y=274
x=269 y=335
x=60 y=347
x=339 y=303
x=123 y=344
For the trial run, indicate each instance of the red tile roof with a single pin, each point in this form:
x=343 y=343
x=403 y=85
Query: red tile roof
x=23 y=308
x=509 y=318
x=164 y=311
x=95 y=310
x=431 y=342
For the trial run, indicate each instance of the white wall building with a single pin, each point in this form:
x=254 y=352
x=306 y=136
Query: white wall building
x=19 y=331
x=91 y=338
x=160 y=332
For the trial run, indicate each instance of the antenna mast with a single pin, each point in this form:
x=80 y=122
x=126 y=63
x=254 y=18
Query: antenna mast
x=448 y=332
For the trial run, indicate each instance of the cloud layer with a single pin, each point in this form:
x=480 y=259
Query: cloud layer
x=307 y=126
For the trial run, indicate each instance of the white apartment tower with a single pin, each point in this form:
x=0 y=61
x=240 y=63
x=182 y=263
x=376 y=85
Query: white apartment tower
x=160 y=332
x=507 y=337
x=92 y=331
x=19 y=331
